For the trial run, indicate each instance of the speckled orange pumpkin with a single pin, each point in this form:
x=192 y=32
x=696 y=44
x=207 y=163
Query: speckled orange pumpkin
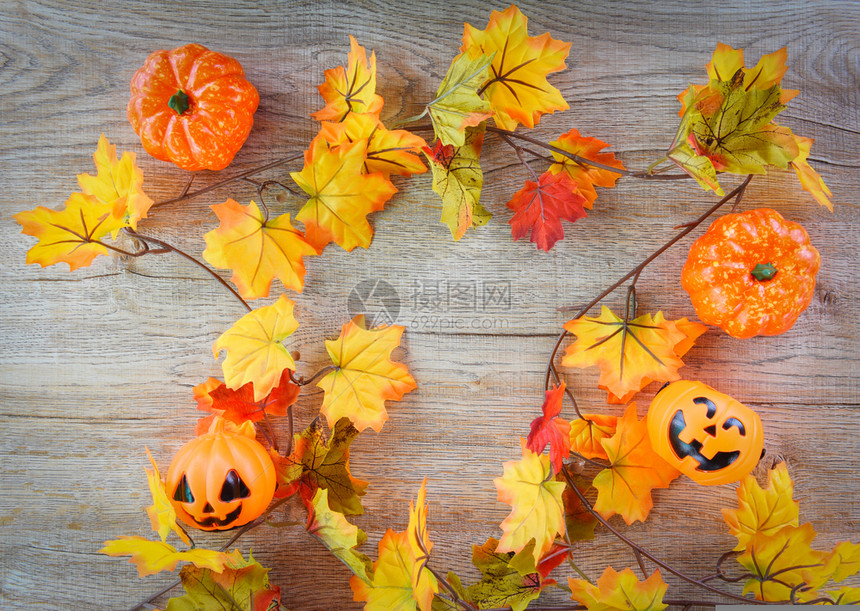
x=192 y=106
x=705 y=434
x=220 y=480
x=751 y=273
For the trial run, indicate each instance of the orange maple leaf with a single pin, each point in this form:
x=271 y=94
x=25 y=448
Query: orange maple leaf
x=364 y=376
x=388 y=151
x=547 y=429
x=634 y=470
x=350 y=89
x=630 y=354
x=341 y=196
x=257 y=249
x=587 y=433
x=620 y=592
x=517 y=90
x=255 y=353
x=585 y=176
x=810 y=180
x=238 y=405
x=529 y=487
x=539 y=208
x=332 y=529
x=424 y=585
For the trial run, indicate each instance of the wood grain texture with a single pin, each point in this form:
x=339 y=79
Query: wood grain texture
x=100 y=362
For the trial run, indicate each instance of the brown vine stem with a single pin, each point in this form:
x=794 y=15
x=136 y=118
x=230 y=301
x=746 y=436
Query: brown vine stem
x=167 y=247
x=186 y=195
x=303 y=381
x=650 y=556
x=241 y=531
x=582 y=160
x=550 y=368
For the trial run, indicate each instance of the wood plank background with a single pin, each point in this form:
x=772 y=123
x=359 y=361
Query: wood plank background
x=97 y=363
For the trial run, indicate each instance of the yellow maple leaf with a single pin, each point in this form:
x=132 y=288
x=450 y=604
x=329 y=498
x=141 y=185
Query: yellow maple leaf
x=765 y=510
x=341 y=196
x=71 y=235
x=457 y=104
x=388 y=151
x=162 y=515
x=332 y=529
x=585 y=176
x=634 y=470
x=350 y=89
x=529 y=487
x=257 y=249
x=390 y=586
x=118 y=184
x=630 y=354
x=517 y=89
x=254 y=349
x=365 y=377
x=810 y=180
x=424 y=585
x=587 y=433
x=620 y=592
x=152 y=557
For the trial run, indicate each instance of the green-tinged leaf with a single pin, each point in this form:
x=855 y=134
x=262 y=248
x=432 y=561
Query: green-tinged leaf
x=448 y=604
x=697 y=166
x=457 y=104
x=457 y=178
x=152 y=557
x=508 y=580
x=332 y=529
x=243 y=585
x=579 y=522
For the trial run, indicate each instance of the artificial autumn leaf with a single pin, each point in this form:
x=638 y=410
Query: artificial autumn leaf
x=548 y=429
x=243 y=585
x=350 y=89
x=332 y=529
x=424 y=584
x=152 y=557
x=578 y=521
x=448 y=604
x=691 y=330
x=587 y=433
x=364 y=376
x=71 y=235
x=585 y=176
x=257 y=249
x=238 y=406
x=696 y=165
x=810 y=180
x=620 y=592
x=507 y=579
x=162 y=515
x=630 y=354
x=388 y=151
x=341 y=196
x=118 y=184
x=457 y=104
x=634 y=470
x=255 y=353
x=323 y=463
x=540 y=206
x=517 y=88
x=765 y=511
x=391 y=583
x=457 y=178
x=529 y=487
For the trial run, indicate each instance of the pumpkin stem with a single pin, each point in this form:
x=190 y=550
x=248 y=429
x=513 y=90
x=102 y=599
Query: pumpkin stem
x=764 y=271
x=179 y=102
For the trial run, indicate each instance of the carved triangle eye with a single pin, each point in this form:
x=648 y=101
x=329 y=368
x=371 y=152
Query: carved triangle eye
x=183 y=492
x=234 y=488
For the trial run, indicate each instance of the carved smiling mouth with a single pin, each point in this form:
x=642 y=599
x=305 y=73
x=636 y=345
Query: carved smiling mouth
x=721 y=460
x=228 y=519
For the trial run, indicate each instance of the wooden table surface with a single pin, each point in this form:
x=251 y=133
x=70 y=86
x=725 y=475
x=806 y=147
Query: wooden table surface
x=99 y=362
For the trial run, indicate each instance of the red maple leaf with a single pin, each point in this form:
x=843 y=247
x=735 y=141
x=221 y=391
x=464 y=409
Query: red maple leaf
x=548 y=429
x=539 y=207
x=239 y=405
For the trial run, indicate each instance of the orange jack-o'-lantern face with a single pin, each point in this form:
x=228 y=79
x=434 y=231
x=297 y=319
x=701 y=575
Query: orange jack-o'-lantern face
x=221 y=480
x=708 y=436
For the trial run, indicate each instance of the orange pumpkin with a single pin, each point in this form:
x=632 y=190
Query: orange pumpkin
x=751 y=273
x=192 y=106
x=221 y=479
x=706 y=435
